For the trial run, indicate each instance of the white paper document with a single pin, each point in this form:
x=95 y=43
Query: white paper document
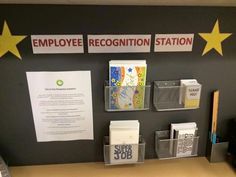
x=62 y=105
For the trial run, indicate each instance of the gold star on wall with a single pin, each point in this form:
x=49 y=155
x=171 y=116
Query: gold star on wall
x=214 y=39
x=8 y=42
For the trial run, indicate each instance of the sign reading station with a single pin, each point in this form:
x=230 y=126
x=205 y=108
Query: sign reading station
x=57 y=44
x=173 y=42
x=119 y=43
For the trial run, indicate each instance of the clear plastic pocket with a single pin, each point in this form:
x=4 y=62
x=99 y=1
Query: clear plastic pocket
x=170 y=96
x=124 y=153
x=127 y=98
x=175 y=148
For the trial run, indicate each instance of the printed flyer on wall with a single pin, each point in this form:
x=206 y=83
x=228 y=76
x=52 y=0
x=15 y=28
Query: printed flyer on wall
x=62 y=105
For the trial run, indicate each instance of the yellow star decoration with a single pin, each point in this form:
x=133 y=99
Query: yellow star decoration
x=8 y=42
x=214 y=39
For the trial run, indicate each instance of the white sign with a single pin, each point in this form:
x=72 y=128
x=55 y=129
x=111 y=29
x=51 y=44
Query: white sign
x=119 y=43
x=57 y=44
x=61 y=104
x=173 y=42
x=193 y=92
x=124 y=153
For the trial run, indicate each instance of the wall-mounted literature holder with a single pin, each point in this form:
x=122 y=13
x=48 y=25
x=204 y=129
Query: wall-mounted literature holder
x=127 y=98
x=168 y=96
x=217 y=152
x=120 y=154
x=174 y=148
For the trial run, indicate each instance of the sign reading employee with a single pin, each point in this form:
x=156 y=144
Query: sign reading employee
x=57 y=44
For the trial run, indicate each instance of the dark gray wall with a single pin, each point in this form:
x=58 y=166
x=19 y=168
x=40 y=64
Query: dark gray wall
x=17 y=135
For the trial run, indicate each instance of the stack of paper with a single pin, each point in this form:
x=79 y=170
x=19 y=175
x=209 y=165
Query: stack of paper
x=124 y=132
x=124 y=140
x=183 y=135
x=190 y=93
x=128 y=78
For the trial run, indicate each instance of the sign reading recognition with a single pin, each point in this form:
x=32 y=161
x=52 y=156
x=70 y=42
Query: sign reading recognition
x=173 y=42
x=119 y=43
x=57 y=44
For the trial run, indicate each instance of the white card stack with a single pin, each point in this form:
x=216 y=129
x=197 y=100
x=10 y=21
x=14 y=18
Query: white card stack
x=190 y=93
x=124 y=140
x=124 y=132
x=184 y=135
